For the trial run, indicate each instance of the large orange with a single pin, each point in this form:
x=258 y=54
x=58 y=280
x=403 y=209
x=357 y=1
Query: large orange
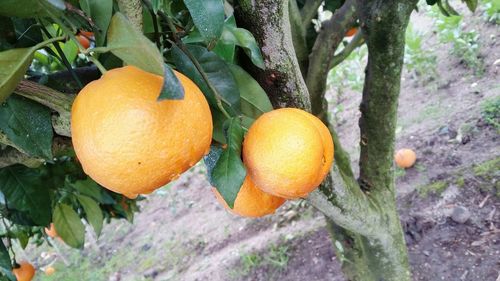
x=251 y=201
x=405 y=158
x=131 y=143
x=288 y=152
x=24 y=272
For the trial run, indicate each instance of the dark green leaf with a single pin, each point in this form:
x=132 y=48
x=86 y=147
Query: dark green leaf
x=90 y=188
x=471 y=4
x=25 y=191
x=211 y=159
x=23 y=239
x=7 y=33
x=332 y=5
x=28 y=34
x=431 y=2
x=208 y=17
x=13 y=66
x=5 y=261
x=218 y=120
x=130 y=45
x=172 y=87
x=218 y=74
x=100 y=11
x=243 y=38
x=228 y=175
x=225 y=50
x=69 y=226
x=28 y=125
x=254 y=100
x=93 y=213
x=229 y=172
x=30 y=8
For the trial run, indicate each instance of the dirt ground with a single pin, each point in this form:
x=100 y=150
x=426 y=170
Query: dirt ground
x=449 y=202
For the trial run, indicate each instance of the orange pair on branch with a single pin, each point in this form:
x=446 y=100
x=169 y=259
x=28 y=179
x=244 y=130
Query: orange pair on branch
x=287 y=153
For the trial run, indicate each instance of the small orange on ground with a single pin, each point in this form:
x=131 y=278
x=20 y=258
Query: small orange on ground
x=84 y=41
x=288 y=152
x=24 y=272
x=405 y=158
x=131 y=143
x=351 y=32
x=251 y=201
x=50 y=270
x=51 y=231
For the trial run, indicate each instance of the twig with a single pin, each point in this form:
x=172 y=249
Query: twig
x=356 y=41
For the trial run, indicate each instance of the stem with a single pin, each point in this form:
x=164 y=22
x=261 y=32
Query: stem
x=356 y=41
x=97 y=63
x=44 y=95
x=308 y=12
x=65 y=61
x=155 y=23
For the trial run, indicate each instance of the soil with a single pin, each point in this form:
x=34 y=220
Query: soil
x=448 y=202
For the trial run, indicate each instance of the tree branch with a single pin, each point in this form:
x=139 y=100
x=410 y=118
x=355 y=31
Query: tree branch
x=298 y=37
x=329 y=38
x=268 y=21
x=355 y=42
x=308 y=12
x=133 y=10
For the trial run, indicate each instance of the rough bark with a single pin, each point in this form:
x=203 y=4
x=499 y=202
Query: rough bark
x=269 y=22
x=298 y=37
x=330 y=36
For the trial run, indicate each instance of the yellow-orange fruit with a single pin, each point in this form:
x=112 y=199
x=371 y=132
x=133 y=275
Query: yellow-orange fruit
x=24 y=272
x=51 y=231
x=84 y=41
x=251 y=201
x=131 y=143
x=288 y=152
x=50 y=270
x=405 y=158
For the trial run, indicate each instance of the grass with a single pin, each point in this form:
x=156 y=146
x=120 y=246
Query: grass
x=490 y=110
x=488 y=168
x=275 y=258
x=435 y=188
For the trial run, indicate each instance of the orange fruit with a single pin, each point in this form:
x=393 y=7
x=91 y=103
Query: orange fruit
x=251 y=201
x=131 y=143
x=51 y=231
x=351 y=32
x=24 y=272
x=405 y=158
x=288 y=152
x=88 y=34
x=84 y=41
x=50 y=270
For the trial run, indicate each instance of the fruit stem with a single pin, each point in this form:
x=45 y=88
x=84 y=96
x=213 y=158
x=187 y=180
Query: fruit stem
x=182 y=46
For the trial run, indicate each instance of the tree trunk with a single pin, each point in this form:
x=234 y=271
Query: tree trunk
x=361 y=214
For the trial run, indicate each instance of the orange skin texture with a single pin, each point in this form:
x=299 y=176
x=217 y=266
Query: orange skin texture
x=51 y=231
x=288 y=152
x=25 y=271
x=50 y=270
x=405 y=158
x=351 y=32
x=251 y=201
x=84 y=41
x=129 y=142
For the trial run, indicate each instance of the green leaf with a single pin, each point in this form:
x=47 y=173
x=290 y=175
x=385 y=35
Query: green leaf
x=69 y=226
x=100 y=11
x=431 y=2
x=130 y=45
x=13 y=66
x=90 y=188
x=23 y=239
x=5 y=261
x=243 y=38
x=208 y=17
x=211 y=159
x=30 y=8
x=229 y=172
x=28 y=125
x=225 y=50
x=471 y=4
x=254 y=100
x=228 y=175
x=172 y=87
x=70 y=50
x=25 y=191
x=7 y=33
x=93 y=213
x=218 y=120
x=332 y=5
x=218 y=74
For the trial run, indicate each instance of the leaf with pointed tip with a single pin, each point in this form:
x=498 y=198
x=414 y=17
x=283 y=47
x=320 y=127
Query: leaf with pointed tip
x=130 y=45
x=13 y=66
x=93 y=213
x=172 y=87
x=208 y=17
x=69 y=226
x=244 y=39
x=100 y=12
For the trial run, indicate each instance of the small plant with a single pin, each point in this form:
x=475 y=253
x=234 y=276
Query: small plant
x=465 y=44
x=435 y=188
x=278 y=257
x=419 y=62
x=491 y=11
x=491 y=112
